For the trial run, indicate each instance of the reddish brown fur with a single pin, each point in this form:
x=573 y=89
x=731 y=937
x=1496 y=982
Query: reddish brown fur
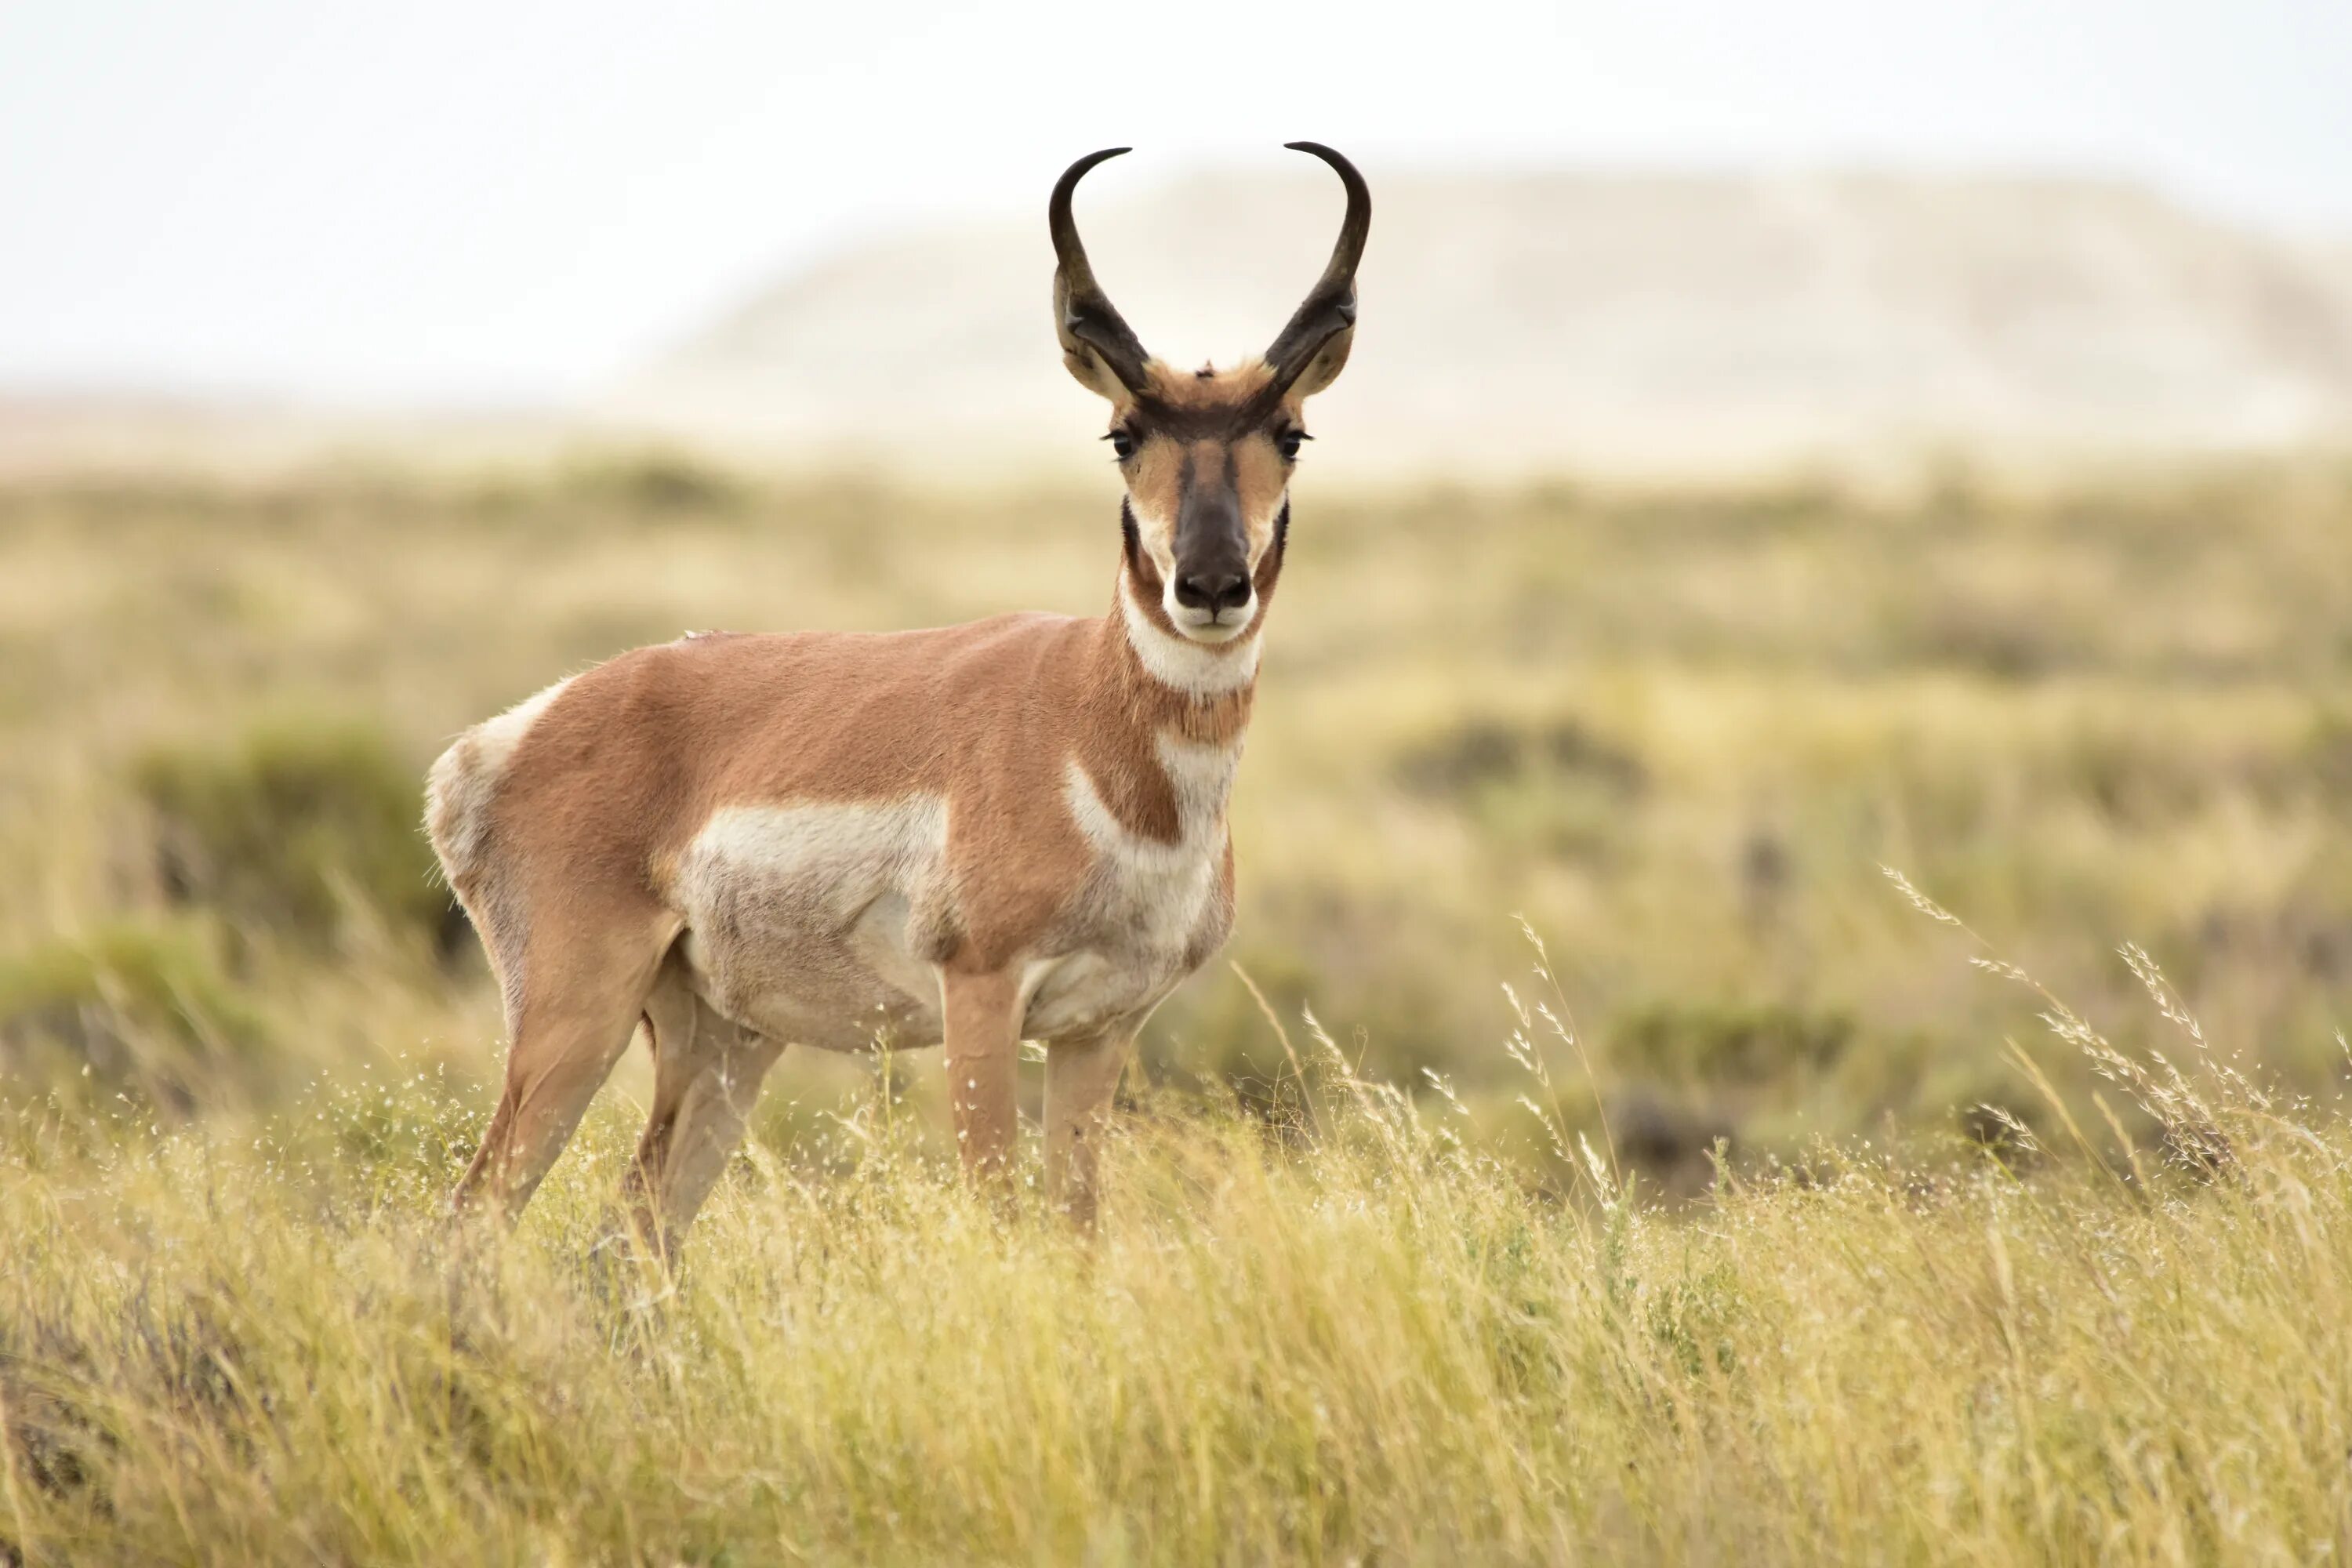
x=573 y=849
x=569 y=827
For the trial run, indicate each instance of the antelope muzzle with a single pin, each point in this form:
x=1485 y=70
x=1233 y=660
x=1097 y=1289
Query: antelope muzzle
x=1212 y=588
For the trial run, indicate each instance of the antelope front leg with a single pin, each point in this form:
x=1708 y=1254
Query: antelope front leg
x=983 y=1047
x=1079 y=1078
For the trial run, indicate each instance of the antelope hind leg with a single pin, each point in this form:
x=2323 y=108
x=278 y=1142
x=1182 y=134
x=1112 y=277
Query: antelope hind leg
x=703 y=1125
x=1080 y=1076
x=570 y=1019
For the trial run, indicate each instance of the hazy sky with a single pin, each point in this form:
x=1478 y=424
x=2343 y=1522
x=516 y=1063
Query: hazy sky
x=432 y=201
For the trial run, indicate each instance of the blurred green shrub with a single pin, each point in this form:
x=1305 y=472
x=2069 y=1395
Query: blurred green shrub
x=143 y=1005
x=2328 y=755
x=1727 y=1042
x=657 y=483
x=1670 y=1139
x=1554 y=788
x=1483 y=752
x=295 y=827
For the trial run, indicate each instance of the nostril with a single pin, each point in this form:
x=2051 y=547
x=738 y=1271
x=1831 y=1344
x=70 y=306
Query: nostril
x=1214 y=592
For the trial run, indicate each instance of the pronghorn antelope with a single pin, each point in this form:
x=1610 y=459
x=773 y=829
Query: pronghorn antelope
x=1009 y=830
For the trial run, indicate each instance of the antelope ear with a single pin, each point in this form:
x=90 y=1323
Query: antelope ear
x=1097 y=345
x=1312 y=348
x=1325 y=367
x=1085 y=363
x=1095 y=376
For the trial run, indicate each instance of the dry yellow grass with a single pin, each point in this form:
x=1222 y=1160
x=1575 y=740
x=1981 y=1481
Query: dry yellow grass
x=1329 y=1320
x=1367 y=1342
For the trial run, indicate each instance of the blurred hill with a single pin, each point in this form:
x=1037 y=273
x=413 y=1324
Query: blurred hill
x=128 y=435
x=1649 y=323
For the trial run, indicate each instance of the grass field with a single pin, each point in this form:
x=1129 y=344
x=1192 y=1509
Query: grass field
x=1761 y=1221
x=1360 y=1341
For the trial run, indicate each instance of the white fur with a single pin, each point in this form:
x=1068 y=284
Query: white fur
x=1156 y=896
x=822 y=911
x=1201 y=624
x=1202 y=777
x=1189 y=665
x=1035 y=973
x=457 y=795
x=1152 y=895
x=813 y=924
x=1079 y=993
x=497 y=738
x=1103 y=830
x=1165 y=884
x=841 y=854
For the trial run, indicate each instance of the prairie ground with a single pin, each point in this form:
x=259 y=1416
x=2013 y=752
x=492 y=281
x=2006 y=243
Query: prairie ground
x=1759 y=1220
x=1365 y=1342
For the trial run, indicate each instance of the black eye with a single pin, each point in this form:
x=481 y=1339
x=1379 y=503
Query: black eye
x=1287 y=444
x=1122 y=445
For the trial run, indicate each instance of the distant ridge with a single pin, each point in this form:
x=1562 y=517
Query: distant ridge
x=1587 y=321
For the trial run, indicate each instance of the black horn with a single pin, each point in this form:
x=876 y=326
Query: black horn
x=1084 y=317
x=1329 y=308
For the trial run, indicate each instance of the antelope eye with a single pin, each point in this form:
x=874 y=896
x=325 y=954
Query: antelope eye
x=1287 y=444
x=1122 y=445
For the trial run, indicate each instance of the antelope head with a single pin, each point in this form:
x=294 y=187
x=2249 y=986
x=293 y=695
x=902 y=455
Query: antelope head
x=1206 y=454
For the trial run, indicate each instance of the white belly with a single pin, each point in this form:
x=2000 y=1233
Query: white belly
x=805 y=922
x=819 y=925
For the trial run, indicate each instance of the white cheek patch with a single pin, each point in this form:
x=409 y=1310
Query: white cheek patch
x=1158 y=537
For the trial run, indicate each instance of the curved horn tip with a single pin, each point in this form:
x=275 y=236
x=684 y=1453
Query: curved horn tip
x=1068 y=184
x=1348 y=174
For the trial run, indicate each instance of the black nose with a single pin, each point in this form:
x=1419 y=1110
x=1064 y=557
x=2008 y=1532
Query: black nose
x=1214 y=591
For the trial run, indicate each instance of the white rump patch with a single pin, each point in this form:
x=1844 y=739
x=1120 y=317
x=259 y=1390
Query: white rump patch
x=1201 y=668
x=457 y=795
x=495 y=739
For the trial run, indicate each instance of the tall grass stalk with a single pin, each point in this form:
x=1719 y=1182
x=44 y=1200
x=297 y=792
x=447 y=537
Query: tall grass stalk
x=1371 y=1343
